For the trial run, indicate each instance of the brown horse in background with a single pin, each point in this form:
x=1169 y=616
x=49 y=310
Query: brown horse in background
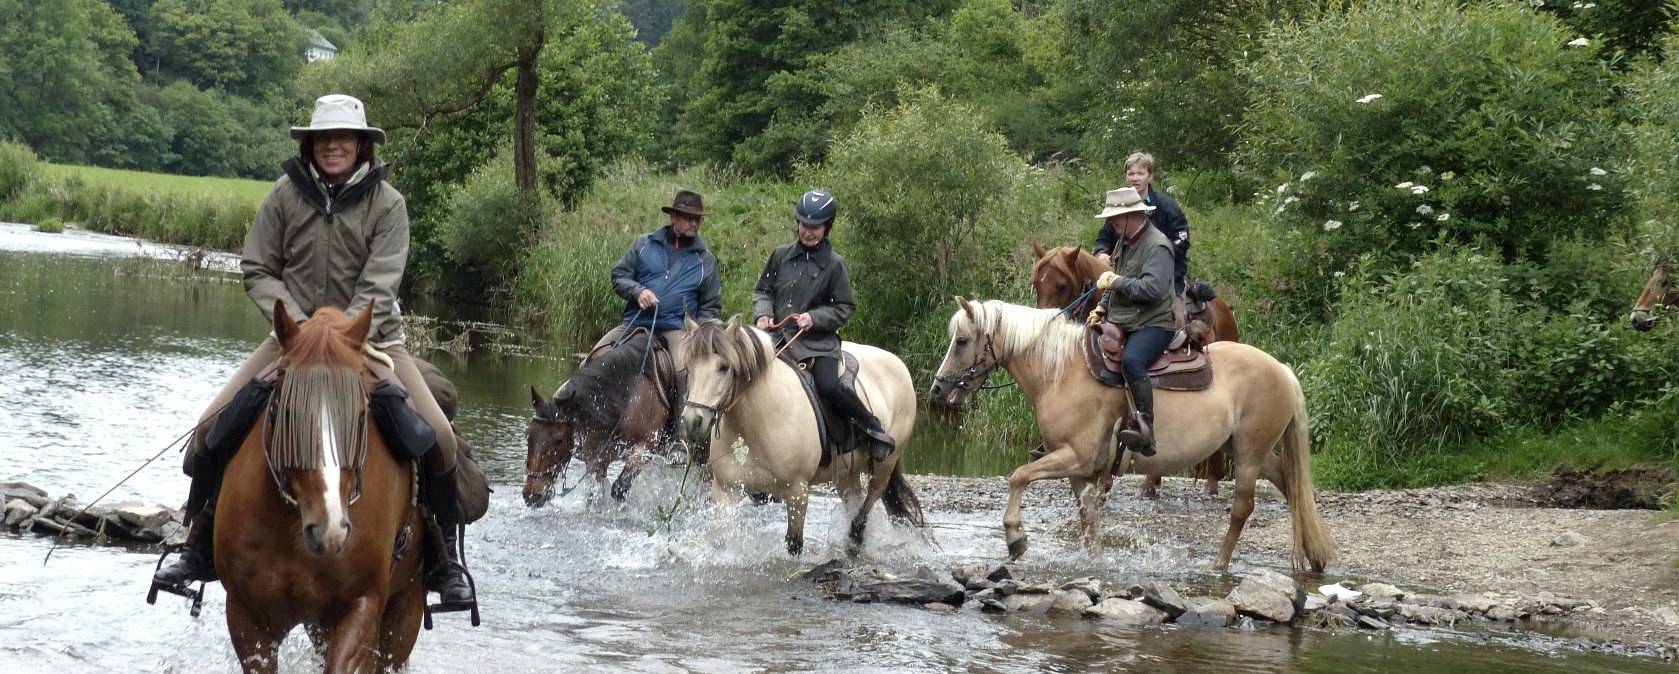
x=1254 y=406
x=1659 y=293
x=1062 y=275
x=317 y=523
x=613 y=408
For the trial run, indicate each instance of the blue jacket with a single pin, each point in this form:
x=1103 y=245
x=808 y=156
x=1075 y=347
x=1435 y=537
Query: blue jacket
x=686 y=285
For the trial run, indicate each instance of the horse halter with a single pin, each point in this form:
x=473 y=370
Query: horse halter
x=974 y=372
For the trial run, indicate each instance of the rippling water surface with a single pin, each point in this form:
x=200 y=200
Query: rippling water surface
x=105 y=360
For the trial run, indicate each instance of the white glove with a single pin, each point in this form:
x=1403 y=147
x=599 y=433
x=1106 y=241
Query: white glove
x=1106 y=280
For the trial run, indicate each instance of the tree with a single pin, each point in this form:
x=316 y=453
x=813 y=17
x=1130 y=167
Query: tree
x=66 y=84
x=243 y=46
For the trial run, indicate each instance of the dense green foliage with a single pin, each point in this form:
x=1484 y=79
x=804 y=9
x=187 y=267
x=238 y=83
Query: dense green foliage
x=1437 y=211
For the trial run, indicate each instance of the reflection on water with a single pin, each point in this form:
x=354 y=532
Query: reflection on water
x=104 y=362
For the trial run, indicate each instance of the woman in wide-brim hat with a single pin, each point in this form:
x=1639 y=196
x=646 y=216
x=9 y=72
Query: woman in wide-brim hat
x=334 y=233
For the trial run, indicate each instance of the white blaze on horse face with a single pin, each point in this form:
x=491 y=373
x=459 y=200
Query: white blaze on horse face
x=330 y=474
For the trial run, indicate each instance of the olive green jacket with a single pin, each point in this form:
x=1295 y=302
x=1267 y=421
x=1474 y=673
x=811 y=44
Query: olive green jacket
x=314 y=246
x=1142 y=297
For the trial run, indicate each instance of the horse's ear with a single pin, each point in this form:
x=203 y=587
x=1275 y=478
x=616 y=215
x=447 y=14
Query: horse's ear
x=1073 y=255
x=1039 y=249
x=284 y=327
x=363 y=326
x=966 y=306
x=536 y=398
x=688 y=323
x=734 y=324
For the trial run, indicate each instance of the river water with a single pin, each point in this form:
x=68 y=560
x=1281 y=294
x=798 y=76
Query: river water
x=108 y=350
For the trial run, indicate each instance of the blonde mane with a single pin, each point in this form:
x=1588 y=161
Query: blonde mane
x=746 y=355
x=1026 y=331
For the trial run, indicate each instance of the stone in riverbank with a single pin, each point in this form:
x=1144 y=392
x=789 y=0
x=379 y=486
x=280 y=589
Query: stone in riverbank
x=1264 y=596
x=27 y=508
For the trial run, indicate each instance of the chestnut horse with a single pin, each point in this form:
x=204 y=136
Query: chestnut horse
x=1659 y=293
x=1061 y=275
x=763 y=434
x=1254 y=404
x=612 y=409
x=317 y=524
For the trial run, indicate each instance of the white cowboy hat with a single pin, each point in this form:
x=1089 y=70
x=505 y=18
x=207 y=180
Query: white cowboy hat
x=337 y=111
x=1123 y=200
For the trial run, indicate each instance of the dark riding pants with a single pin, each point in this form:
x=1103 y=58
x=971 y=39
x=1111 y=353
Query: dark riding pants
x=1142 y=347
x=825 y=371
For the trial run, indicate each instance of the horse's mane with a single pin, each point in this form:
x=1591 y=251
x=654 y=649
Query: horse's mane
x=746 y=356
x=324 y=386
x=1028 y=331
x=601 y=388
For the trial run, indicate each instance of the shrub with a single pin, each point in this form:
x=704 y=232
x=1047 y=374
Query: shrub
x=50 y=225
x=18 y=168
x=1653 y=136
x=486 y=222
x=1397 y=125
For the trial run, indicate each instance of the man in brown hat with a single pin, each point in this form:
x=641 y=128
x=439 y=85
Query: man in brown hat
x=663 y=276
x=1138 y=298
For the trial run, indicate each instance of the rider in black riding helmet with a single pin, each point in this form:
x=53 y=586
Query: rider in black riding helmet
x=807 y=280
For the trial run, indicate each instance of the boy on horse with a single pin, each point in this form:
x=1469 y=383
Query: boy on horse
x=1138 y=299
x=809 y=282
x=332 y=232
x=663 y=276
x=1166 y=217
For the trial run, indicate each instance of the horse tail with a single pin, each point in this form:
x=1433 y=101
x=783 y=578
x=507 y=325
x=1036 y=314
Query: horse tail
x=1313 y=543
x=901 y=501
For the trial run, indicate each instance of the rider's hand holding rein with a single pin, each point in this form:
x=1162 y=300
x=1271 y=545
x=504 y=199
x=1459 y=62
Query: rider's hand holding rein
x=647 y=299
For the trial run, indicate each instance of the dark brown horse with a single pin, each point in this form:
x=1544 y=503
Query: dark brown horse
x=1659 y=293
x=614 y=408
x=1069 y=273
x=317 y=523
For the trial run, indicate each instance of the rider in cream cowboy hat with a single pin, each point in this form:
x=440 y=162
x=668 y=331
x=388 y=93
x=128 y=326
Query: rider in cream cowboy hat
x=338 y=112
x=1138 y=300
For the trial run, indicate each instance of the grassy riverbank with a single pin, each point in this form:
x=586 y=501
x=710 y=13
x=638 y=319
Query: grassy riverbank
x=188 y=210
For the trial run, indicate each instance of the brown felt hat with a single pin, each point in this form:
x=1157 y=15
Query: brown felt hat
x=688 y=203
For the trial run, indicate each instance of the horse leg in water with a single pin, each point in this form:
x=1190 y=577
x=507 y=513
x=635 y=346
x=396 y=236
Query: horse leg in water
x=797 y=496
x=632 y=467
x=879 y=479
x=399 y=628
x=1062 y=462
x=256 y=643
x=1090 y=497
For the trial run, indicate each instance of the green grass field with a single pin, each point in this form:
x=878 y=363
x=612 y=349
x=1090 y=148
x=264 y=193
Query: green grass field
x=252 y=190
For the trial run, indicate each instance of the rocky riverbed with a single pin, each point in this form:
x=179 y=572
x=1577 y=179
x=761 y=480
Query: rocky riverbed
x=1611 y=570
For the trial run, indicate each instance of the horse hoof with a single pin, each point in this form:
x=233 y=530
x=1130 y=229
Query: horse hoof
x=1017 y=547
x=795 y=548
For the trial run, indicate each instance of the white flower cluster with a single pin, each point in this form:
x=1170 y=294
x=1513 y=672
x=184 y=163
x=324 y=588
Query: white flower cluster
x=1368 y=97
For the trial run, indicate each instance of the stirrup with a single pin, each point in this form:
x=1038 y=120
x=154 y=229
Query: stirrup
x=1139 y=440
x=181 y=589
x=455 y=607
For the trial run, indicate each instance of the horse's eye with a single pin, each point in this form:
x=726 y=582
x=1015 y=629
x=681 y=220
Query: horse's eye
x=723 y=367
x=1061 y=287
x=961 y=341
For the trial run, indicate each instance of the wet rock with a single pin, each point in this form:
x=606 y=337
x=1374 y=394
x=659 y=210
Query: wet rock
x=1381 y=590
x=940 y=607
x=1666 y=615
x=1127 y=610
x=845 y=582
x=1429 y=615
x=30 y=494
x=1165 y=598
x=18 y=510
x=1206 y=612
x=1029 y=603
x=1070 y=601
x=1269 y=595
x=1569 y=539
x=1089 y=587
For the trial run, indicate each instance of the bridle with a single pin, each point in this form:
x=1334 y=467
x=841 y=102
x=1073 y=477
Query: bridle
x=275 y=471
x=556 y=472
x=974 y=372
x=736 y=391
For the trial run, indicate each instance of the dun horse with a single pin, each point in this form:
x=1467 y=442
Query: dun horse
x=613 y=408
x=1659 y=293
x=737 y=390
x=1063 y=275
x=317 y=521
x=1254 y=404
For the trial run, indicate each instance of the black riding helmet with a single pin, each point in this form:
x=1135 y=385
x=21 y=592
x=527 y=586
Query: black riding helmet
x=816 y=207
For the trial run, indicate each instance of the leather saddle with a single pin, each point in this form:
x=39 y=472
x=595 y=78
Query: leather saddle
x=836 y=434
x=1183 y=366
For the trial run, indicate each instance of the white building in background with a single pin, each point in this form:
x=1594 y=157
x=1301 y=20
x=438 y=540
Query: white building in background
x=320 y=49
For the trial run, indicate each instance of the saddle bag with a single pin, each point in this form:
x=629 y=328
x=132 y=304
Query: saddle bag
x=406 y=434
x=235 y=420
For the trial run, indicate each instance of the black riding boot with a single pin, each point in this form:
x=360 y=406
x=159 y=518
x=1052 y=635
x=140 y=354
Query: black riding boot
x=448 y=577
x=676 y=445
x=195 y=561
x=1141 y=439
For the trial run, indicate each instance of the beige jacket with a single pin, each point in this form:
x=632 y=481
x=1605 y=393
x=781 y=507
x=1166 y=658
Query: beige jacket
x=314 y=250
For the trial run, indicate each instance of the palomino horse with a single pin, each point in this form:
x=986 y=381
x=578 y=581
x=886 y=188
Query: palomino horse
x=613 y=408
x=317 y=523
x=1659 y=293
x=1062 y=275
x=1254 y=403
x=739 y=391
